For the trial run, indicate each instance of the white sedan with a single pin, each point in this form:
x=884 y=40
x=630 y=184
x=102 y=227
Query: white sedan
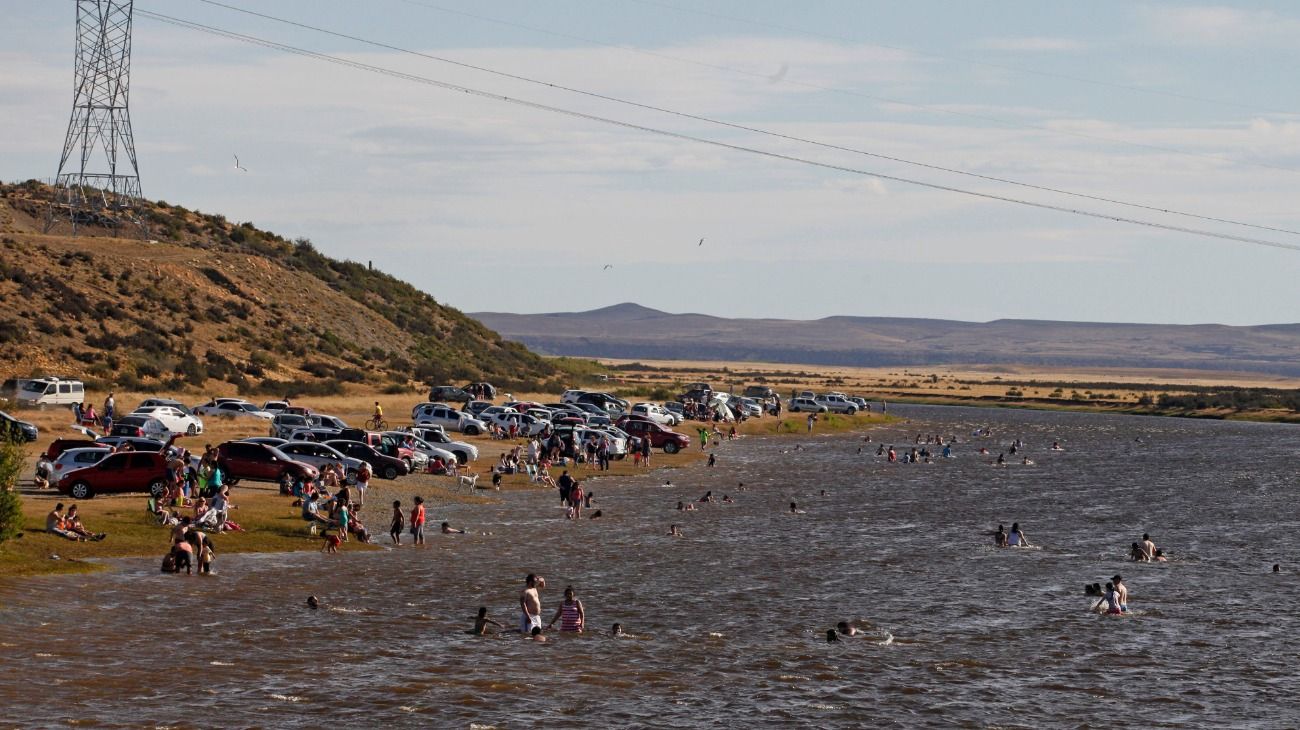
x=176 y=420
x=656 y=413
x=232 y=409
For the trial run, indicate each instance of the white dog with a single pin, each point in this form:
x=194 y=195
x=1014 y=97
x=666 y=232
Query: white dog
x=468 y=480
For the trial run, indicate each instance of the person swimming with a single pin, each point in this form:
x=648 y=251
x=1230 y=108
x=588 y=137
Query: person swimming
x=313 y=602
x=1093 y=590
x=617 y=630
x=844 y=628
x=831 y=636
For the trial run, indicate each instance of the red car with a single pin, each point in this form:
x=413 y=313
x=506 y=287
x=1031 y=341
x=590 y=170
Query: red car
x=128 y=471
x=660 y=438
x=260 y=463
x=58 y=446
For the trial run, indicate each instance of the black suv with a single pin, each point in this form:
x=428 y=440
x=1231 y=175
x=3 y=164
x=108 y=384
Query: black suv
x=449 y=394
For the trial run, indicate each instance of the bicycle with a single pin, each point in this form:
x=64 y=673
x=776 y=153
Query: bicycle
x=376 y=424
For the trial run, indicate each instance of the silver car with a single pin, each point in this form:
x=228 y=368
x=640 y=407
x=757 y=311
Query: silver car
x=318 y=455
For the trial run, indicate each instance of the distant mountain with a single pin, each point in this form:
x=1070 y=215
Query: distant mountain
x=633 y=331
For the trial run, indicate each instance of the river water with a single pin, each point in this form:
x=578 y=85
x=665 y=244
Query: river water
x=728 y=622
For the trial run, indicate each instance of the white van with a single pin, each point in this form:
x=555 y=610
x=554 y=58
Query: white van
x=50 y=392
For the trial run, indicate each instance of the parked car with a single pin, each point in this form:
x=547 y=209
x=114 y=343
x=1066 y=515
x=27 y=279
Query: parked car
x=50 y=392
x=260 y=463
x=138 y=443
x=130 y=471
x=809 y=405
x=231 y=408
x=387 y=467
x=320 y=420
x=699 y=395
x=58 y=446
x=661 y=438
x=758 y=392
x=319 y=435
x=73 y=459
x=745 y=406
x=525 y=425
x=14 y=429
x=274 y=406
x=605 y=401
x=571 y=396
x=173 y=418
x=449 y=393
x=476 y=407
x=486 y=391
x=837 y=403
x=266 y=440
x=151 y=402
x=141 y=426
x=656 y=413
x=284 y=424
x=677 y=407
x=464 y=452
x=449 y=418
x=409 y=441
x=318 y=455
x=861 y=403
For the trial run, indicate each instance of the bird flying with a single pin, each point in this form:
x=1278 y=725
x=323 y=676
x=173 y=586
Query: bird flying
x=237 y=165
x=701 y=243
x=608 y=266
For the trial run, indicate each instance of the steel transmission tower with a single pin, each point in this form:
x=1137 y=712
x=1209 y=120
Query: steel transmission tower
x=99 y=180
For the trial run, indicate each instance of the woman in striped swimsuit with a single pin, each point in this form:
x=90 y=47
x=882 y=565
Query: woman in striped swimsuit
x=570 y=613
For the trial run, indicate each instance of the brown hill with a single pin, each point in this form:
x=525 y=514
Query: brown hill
x=636 y=332
x=192 y=297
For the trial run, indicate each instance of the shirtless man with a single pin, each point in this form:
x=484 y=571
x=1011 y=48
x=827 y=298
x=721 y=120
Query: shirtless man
x=1121 y=591
x=530 y=604
x=1148 y=547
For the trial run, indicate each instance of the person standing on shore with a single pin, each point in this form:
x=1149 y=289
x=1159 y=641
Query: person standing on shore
x=417 y=521
x=812 y=418
x=110 y=406
x=530 y=605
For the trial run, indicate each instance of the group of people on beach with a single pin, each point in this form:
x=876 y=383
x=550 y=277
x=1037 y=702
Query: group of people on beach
x=69 y=526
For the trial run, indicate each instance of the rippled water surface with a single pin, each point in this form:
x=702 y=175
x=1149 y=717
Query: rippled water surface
x=729 y=622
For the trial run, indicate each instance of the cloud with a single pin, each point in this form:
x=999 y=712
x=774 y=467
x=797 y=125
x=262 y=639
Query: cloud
x=1031 y=44
x=1218 y=25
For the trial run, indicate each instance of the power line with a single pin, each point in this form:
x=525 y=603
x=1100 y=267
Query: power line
x=958 y=59
x=859 y=94
x=700 y=140
x=747 y=128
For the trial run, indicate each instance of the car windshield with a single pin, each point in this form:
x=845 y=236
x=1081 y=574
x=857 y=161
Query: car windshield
x=279 y=454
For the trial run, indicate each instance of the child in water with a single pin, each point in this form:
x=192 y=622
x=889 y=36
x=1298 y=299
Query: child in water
x=481 y=622
x=399 y=521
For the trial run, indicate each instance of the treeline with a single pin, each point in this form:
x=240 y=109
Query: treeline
x=1239 y=399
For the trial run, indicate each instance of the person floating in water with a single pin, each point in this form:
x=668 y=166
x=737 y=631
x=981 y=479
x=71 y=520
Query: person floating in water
x=675 y=531
x=845 y=628
x=794 y=509
x=617 y=630
x=313 y=602
x=1093 y=590
x=831 y=636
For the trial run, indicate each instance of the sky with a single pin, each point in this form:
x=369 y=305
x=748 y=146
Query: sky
x=494 y=206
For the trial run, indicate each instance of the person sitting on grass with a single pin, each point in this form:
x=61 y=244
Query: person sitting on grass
x=54 y=523
x=72 y=523
x=311 y=512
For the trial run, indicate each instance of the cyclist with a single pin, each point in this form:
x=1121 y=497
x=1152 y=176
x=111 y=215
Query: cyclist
x=379 y=412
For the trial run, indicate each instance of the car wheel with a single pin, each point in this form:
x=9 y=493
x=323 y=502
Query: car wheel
x=853 y=411
x=192 y=430
x=670 y=447
x=409 y=466
x=462 y=458
x=157 y=489
x=390 y=472
x=471 y=431
x=81 y=490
